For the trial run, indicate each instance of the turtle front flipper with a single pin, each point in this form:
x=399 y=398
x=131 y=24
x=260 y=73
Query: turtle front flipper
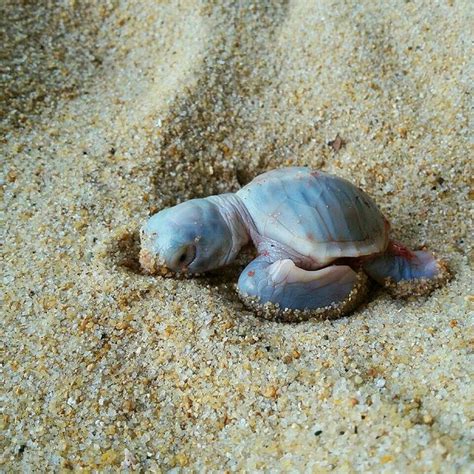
x=404 y=272
x=281 y=290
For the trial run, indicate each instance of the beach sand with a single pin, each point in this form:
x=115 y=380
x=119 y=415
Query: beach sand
x=113 y=110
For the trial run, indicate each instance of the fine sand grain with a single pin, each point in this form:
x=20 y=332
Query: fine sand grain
x=112 y=110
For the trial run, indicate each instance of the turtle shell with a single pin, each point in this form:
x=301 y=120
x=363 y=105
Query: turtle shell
x=320 y=216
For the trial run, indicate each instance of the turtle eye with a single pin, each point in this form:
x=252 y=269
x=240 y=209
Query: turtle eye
x=187 y=256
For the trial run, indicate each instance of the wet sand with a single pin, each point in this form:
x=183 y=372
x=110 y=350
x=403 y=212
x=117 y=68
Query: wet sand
x=110 y=113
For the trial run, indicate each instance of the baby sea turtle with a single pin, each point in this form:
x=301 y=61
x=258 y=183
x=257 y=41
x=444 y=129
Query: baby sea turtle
x=317 y=235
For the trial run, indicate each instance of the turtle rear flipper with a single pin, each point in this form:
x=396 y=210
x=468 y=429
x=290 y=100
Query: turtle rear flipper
x=408 y=273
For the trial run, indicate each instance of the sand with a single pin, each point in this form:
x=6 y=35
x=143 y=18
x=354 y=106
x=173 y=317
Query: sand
x=111 y=111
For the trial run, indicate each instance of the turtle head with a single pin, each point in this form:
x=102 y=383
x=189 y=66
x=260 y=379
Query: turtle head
x=192 y=237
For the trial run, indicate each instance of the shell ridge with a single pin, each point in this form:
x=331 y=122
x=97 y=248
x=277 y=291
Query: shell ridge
x=315 y=206
x=357 y=217
x=337 y=218
x=341 y=223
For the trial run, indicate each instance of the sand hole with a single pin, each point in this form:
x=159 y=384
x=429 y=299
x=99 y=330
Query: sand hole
x=124 y=251
x=224 y=280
